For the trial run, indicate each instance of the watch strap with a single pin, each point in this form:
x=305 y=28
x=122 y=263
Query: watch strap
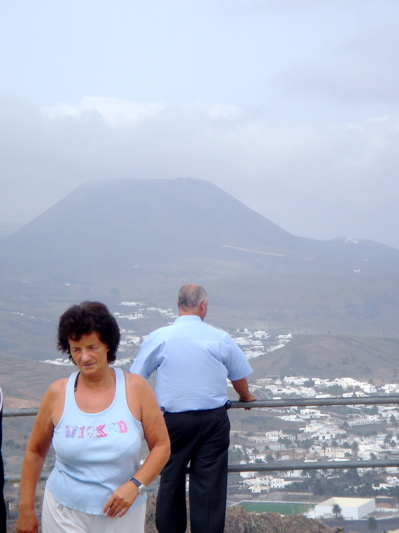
x=141 y=488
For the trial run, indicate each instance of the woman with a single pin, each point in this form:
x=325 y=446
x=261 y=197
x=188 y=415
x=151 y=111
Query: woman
x=96 y=419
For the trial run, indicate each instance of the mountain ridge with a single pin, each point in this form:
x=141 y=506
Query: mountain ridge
x=120 y=223
x=141 y=240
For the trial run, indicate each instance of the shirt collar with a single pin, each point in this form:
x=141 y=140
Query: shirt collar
x=188 y=318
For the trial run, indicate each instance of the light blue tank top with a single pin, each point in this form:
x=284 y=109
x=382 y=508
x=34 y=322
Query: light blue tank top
x=95 y=452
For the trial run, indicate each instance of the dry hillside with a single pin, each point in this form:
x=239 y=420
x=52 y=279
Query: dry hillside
x=239 y=521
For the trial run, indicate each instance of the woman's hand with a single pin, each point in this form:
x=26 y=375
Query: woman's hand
x=121 y=500
x=27 y=522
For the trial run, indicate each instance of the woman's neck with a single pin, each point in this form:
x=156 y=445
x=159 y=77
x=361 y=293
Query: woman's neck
x=103 y=382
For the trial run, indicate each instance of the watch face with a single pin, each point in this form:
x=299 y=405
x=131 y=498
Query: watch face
x=142 y=489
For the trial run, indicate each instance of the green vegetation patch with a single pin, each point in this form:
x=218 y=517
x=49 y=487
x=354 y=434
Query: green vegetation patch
x=270 y=507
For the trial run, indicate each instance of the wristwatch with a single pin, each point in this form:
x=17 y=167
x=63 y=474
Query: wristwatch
x=141 y=488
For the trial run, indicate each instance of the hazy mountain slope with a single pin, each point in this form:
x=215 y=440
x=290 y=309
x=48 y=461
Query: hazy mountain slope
x=141 y=240
x=332 y=356
x=357 y=303
x=136 y=221
x=187 y=224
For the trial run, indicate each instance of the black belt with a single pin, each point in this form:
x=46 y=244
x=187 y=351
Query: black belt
x=227 y=405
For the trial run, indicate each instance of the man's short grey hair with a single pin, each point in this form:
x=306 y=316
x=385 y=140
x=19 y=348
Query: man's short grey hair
x=190 y=297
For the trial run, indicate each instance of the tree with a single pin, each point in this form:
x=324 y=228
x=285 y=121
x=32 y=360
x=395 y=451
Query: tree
x=307 y=443
x=374 y=409
x=388 y=437
x=336 y=510
x=236 y=455
x=372 y=523
x=355 y=447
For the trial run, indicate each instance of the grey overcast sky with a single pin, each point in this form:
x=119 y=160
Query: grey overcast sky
x=291 y=106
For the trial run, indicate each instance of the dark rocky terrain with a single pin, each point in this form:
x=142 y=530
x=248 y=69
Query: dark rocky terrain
x=239 y=521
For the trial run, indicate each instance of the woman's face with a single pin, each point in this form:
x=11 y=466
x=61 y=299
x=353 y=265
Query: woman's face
x=89 y=353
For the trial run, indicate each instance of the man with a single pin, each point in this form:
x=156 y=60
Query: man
x=193 y=360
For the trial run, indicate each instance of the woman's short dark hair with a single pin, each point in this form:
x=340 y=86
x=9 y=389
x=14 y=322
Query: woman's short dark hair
x=84 y=319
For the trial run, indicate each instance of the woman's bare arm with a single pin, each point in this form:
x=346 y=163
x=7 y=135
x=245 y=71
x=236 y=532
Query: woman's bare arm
x=35 y=455
x=144 y=406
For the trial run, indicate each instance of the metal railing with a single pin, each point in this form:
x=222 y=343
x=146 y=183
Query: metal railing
x=279 y=466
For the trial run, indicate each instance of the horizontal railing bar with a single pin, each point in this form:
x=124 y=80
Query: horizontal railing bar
x=324 y=465
x=283 y=467
x=23 y=411
x=304 y=402
x=289 y=402
x=16 y=478
x=286 y=466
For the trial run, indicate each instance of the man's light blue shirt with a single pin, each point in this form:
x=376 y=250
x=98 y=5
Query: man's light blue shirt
x=193 y=361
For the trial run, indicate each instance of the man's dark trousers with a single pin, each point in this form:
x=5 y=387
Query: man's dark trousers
x=200 y=438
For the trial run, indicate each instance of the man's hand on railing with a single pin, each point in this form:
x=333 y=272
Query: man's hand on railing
x=249 y=398
x=241 y=388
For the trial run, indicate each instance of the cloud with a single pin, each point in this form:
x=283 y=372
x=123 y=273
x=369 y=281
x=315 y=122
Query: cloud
x=315 y=181
x=114 y=111
x=360 y=66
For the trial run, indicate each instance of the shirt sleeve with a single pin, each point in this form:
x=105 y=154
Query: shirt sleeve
x=147 y=359
x=236 y=363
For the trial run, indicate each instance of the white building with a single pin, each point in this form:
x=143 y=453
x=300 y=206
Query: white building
x=308 y=392
x=310 y=413
x=364 y=421
x=259 y=483
x=279 y=483
x=368 y=387
x=351 y=508
x=346 y=383
x=295 y=380
x=273 y=436
x=261 y=334
x=389 y=388
x=336 y=453
x=290 y=418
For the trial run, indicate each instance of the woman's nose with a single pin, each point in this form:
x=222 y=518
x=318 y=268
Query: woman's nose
x=85 y=353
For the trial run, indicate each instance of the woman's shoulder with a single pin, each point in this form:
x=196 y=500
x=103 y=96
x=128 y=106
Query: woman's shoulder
x=56 y=388
x=134 y=379
x=137 y=388
x=53 y=399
